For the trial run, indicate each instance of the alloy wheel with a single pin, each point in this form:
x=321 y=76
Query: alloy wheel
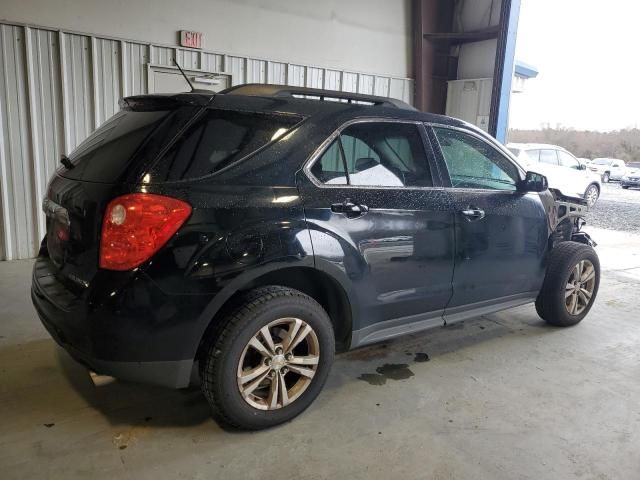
x=580 y=286
x=278 y=364
x=591 y=196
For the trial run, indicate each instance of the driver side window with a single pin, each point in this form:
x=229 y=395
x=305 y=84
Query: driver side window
x=473 y=163
x=568 y=161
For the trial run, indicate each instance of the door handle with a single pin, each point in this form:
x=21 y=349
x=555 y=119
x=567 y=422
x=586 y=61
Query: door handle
x=350 y=209
x=473 y=214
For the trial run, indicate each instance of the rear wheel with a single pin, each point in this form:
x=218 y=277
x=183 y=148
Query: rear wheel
x=591 y=195
x=270 y=360
x=570 y=285
x=625 y=186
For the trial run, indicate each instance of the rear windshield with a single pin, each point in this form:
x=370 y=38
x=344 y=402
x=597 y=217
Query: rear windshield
x=218 y=139
x=601 y=161
x=107 y=152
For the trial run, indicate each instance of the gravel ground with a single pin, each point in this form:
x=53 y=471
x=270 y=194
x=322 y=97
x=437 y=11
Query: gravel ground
x=617 y=209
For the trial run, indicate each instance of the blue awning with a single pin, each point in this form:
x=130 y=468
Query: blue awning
x=525 y=70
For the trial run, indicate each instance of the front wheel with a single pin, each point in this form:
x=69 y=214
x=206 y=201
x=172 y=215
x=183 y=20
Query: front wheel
x=570 y=285
x=270 y=360
x=591 y=195
x=625 y=187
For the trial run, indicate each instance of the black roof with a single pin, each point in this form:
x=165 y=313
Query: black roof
x=270 y=90
x=294 y=100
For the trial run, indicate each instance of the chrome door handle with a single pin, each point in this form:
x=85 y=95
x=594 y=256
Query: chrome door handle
x=473 y=214
x=350 y=209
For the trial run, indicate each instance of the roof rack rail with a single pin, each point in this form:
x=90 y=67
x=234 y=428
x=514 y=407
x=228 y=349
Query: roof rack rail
x=270 y=90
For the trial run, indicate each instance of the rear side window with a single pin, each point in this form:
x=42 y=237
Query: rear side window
x=108 y=151
x=534 y=155
x=330 y=168
x=549 y=156
x=375 y=154
x=218 y=139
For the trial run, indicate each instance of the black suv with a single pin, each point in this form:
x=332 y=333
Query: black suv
x=244 y=237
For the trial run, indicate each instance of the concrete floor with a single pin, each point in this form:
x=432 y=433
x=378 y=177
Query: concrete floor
x=503 y=396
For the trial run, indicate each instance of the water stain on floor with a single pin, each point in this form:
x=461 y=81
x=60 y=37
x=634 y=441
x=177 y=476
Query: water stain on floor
x=388 y=371
x=373 y=378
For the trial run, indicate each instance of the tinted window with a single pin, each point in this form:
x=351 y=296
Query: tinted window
x=567 y=160
x=107 y=152
x=217 y=140
x=329 y=168
x=377 y=154
x=548 y=156
x=472 y=163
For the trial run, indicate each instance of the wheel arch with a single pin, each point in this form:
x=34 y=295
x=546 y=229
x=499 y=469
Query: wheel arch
x=319 y=285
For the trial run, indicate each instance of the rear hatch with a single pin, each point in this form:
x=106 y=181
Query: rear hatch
x=110 y=162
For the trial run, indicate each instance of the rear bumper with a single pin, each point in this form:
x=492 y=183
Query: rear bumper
x=112 y=340
x=171 y=373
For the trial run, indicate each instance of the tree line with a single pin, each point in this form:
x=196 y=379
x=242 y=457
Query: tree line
x=623 y=144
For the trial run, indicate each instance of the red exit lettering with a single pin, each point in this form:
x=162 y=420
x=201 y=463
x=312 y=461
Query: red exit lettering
x=190 y=39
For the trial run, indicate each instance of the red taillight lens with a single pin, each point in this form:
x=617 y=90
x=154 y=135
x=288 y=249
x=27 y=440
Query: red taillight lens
x=136 y=226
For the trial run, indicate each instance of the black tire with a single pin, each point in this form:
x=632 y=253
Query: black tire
x=551 y=301
x=219 y=368
x=625 y=187
x=606 y=177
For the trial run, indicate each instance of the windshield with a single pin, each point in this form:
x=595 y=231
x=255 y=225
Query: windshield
x=601 y=161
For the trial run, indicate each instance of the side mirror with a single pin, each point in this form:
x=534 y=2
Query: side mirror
x=582 y=166
x=534 y=182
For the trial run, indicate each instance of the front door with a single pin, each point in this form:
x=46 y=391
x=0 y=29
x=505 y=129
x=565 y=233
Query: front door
x=376 y=218
x=501 y=233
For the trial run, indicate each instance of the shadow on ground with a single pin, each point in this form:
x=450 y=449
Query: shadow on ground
x=135 y=405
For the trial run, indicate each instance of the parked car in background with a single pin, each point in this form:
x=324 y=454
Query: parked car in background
x=564 y=171
x=631 y=177
x=585 y=161
x=608 y=168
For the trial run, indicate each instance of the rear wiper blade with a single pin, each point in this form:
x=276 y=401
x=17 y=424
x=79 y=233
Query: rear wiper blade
x=66 y=162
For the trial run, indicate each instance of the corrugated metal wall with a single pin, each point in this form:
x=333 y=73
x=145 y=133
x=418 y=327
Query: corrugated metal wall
x=56 y=87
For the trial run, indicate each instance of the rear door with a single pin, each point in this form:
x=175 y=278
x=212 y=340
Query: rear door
x=501 y=233
x=378 y=219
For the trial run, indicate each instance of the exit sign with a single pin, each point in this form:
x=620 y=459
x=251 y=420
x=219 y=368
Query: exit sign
x=190 y=39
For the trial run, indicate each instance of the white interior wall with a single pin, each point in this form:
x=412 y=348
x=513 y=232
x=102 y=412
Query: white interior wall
x=477 y=59
x=358 y=35
x=57 y=86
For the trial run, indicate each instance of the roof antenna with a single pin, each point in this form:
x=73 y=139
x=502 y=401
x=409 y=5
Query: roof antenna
x=183 y=74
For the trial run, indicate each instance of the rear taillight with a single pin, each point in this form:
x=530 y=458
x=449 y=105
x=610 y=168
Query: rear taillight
x=136 y=226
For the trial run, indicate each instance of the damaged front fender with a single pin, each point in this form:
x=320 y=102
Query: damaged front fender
x=566 y=217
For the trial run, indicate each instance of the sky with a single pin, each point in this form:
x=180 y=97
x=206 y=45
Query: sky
x=587 y=54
